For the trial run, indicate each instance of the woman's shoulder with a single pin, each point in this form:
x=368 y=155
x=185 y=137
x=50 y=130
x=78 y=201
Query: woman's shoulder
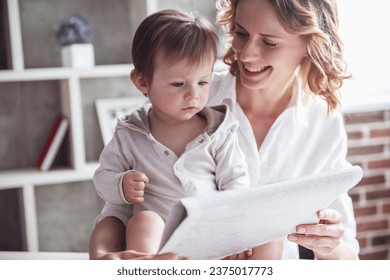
x=317 y=111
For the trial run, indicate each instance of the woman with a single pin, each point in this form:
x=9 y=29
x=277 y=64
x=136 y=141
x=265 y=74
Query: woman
x=286 y=67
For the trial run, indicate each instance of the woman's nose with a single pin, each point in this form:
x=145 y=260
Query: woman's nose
x=249 y=50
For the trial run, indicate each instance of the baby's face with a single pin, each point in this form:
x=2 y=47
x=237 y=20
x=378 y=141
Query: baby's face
x=179 y=89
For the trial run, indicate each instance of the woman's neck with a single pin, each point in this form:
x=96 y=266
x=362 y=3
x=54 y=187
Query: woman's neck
x=262 y=107
x=265 y=103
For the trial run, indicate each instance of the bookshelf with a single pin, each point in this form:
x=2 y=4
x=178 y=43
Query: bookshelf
x=21 y=78
x=34 y=89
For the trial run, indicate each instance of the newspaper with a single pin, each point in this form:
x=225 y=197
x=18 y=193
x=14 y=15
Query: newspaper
x=218 y=224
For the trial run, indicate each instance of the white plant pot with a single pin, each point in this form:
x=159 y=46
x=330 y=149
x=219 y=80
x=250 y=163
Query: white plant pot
x=78 y=56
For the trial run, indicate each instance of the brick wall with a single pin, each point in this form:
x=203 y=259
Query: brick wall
x=369 y=147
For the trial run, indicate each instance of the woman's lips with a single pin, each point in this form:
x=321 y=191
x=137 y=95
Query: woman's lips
x=255 y=71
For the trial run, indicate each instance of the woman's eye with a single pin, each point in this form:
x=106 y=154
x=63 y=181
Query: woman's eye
x=177 y=84
x=269 y=44
x=202 y=83
x=241 y=34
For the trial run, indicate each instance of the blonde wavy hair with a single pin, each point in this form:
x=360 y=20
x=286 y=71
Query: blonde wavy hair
x=324 y=69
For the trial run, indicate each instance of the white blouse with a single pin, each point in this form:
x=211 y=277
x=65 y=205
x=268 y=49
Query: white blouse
x=303 y=140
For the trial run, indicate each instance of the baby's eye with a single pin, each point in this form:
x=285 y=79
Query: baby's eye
x=177 y=84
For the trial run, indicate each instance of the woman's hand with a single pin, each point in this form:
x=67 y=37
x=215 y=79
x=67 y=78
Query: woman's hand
x=240 y=256
x=323 y=238
x=272 y=250
x=133 y=255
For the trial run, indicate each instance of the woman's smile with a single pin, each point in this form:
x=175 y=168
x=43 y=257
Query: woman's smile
x=252 y=71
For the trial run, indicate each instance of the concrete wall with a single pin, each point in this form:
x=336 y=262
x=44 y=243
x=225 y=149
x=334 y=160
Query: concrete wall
x=66 y=212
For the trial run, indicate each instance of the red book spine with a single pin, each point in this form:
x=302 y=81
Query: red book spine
x=53 y=143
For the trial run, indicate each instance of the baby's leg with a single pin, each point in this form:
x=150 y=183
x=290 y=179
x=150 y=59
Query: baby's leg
x=272 y=250
x=144 y=231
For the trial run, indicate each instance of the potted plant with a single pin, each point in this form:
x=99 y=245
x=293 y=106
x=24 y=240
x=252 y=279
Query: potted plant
x=74 y=36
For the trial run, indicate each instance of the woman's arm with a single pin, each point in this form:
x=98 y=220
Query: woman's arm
x=334 y=237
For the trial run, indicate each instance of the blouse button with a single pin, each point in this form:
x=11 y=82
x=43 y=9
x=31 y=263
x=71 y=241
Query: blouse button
x=190 y=186
x=179 y=167
x=166 y=153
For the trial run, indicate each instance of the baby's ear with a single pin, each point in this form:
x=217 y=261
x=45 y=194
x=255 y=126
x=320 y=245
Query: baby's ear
x=139 y=81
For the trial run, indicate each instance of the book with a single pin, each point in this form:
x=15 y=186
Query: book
x=218 y=224
x=53 y=144
x=4 y=49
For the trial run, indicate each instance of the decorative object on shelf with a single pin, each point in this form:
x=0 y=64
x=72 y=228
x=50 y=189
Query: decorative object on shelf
x=53 y=144
x=110 y=109
x=74 y=35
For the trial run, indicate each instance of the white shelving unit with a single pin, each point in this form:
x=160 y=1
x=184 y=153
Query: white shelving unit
x=25 y=180
x=70 y=84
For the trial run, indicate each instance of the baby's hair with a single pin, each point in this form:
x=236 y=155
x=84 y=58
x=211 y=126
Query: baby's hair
x=178 y=35
x=324 y=69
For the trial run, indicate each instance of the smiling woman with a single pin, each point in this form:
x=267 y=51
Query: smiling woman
x=367 y=41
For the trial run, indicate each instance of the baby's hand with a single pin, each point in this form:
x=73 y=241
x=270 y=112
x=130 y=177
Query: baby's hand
x=133 y=185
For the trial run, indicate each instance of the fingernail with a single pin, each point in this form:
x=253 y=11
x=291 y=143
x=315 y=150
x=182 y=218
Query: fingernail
x=322 y=214
x=292 y=237
x=301 y=230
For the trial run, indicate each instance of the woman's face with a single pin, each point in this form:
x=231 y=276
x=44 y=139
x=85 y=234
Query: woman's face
x=267 y=54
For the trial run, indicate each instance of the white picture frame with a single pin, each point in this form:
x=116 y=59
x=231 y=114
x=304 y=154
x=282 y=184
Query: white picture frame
x=110 y=109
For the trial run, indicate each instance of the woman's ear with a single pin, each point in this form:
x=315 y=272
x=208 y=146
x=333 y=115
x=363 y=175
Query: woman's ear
x=139 y=81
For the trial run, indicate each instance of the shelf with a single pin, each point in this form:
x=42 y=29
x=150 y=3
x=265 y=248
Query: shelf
x=60 y=73
x=35 y=89
x=20 y=255
x=19 y=178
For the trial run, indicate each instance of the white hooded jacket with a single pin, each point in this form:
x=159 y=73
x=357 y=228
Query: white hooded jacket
x=212 y=161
